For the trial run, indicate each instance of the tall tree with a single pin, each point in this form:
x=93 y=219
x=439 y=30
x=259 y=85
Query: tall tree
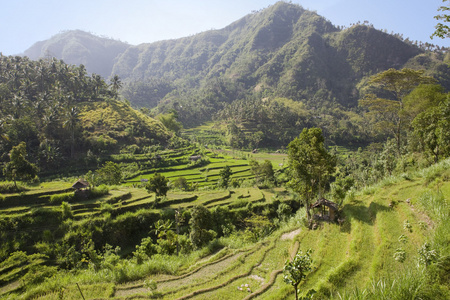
x=116 y=84
x=388 y=111
x=310 y=164
x=71 y=122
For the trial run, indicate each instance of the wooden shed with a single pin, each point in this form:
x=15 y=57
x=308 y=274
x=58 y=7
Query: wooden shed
x=323 y=204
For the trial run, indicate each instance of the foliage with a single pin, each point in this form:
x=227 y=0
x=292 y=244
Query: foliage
x=310 y=164
x=61 y=113
x=158 y=185
x=170 y=121
x=224 y=178
x=200 y=225
x=18 y=167
x=60 y=198
x=388 y=110
x=442 y=30
x=427 y=256
x=110 y=173
x=296 y=270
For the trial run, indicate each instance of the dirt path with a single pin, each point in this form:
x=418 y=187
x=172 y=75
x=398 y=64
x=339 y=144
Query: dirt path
x=290 y=235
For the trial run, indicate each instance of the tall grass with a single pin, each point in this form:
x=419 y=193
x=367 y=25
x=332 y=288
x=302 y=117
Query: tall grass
x=407 y=286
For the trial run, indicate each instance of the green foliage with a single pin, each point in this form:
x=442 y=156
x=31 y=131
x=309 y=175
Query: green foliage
x=170 y=121
x=257 y=227
x=442 y=30
x=427 y=255
x=181 y=183
x=18 y=167
x=388 y=112
x=98 y=191
x=262 y=172
x=9 y=187
x=310 y=164
x=225 y=174
x=400 y=255
x=158 y=185
x=110 y=173
x=60 y=198
x=296 y=270
x=200 y=225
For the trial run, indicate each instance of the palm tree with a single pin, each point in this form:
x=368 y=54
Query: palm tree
x=71 y=122
x=116 y=84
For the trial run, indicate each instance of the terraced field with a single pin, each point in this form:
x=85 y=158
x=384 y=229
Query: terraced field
x=379 y=220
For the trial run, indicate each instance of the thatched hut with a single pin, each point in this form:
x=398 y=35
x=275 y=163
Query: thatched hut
x=81 y=184
x=323 y=204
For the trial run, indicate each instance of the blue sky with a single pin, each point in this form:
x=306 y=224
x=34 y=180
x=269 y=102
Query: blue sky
x=24 y=22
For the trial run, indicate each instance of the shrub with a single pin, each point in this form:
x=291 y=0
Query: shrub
x=98 y=191
x=60 y=198
x=284 y=211
x=66 y=210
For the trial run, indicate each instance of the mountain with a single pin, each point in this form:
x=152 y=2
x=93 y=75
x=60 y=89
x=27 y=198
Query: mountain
x=283 y=51
x=79 y=47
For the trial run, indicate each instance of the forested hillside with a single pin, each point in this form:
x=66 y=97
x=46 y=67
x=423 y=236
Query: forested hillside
x=61 y=113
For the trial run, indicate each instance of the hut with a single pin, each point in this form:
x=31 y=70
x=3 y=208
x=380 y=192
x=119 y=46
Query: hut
x=80 y=185
x=322 y=204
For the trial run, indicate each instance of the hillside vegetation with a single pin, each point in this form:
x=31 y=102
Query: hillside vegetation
x=393 y=241
x=62 y=113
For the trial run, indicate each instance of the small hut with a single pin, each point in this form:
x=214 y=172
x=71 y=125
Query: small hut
x=81 y=184
x=322 y=204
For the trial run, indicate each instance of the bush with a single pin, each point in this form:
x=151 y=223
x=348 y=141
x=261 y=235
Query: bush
x=60 y=198
x=98 y=191
x=66 y=210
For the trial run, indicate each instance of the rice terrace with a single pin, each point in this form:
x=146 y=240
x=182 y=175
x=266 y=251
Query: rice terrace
x=280 y=157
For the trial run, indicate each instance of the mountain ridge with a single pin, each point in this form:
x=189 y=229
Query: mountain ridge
x=285 y=50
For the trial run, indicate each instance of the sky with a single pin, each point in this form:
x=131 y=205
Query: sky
x=24 y=22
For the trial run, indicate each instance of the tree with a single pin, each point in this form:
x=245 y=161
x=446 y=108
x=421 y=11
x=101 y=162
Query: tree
x=296 y=270
x=109 y=173
x=158 y=185
x=71 y=122
x=169 y=120
x=116 y=84
x=225 y=175
x=432 y=127
x=18 y=166
x=442 y=30
x=310 y=164
x=389 y=113
x=200 y=225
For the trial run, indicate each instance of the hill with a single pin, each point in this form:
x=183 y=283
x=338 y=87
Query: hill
x=63 y=114
x=77 y=47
